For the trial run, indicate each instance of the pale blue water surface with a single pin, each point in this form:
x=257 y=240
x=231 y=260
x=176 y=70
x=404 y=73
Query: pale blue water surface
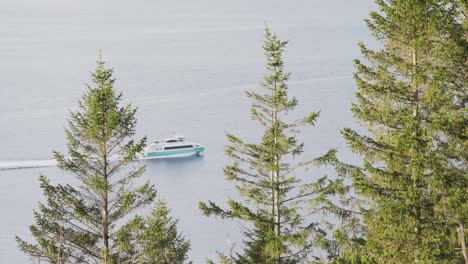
x=186 y=65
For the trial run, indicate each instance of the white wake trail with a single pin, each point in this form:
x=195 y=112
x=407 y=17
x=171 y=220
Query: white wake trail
x=26 y=164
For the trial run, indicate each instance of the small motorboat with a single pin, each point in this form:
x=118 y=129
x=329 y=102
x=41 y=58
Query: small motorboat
x=172 y=147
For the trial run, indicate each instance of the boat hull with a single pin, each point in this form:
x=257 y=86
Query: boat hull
x=173 y=153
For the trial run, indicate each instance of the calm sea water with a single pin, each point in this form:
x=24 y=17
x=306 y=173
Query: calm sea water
x=186 y=65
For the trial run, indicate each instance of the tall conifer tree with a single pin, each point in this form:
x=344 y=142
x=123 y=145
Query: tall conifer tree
x=266 y=176
x=81 y=224
x=399 y=99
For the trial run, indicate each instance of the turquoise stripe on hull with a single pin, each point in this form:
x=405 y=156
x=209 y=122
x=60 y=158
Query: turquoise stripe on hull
x=171 y=153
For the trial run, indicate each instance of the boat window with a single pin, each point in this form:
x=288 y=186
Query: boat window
x=178 y=147
x=171 y=141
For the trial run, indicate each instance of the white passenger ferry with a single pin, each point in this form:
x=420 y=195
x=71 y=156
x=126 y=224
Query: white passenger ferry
x=172 y=147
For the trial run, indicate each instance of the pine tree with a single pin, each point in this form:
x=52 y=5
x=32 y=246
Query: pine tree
x=400 y=94
x=55 y=241
x=449 y=116
x=266 y=176
x=79 y=224
x=153 y=239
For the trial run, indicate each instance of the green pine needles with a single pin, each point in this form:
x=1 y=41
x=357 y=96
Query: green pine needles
x=153 y=239
x=405 y=94
x=274 y=197
x=87 y=223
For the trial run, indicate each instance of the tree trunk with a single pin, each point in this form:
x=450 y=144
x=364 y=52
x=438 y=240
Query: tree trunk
x=275 y=175
x=417 y=150
x=105 y=211
x=460 y=227
x=461 y=237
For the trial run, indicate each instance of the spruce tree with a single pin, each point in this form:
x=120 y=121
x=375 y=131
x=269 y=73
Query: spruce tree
x=153 y=239
x=401 y=93
x=449 y=116
x=56 y=242
x=267 y=176
x=80 y=224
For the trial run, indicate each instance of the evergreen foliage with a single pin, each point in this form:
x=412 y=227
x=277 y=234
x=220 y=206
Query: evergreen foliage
x=412 y=98
x=80 y=224
x=449 y=116
x=56 y=241
x=265 y=175
x=153 y=240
